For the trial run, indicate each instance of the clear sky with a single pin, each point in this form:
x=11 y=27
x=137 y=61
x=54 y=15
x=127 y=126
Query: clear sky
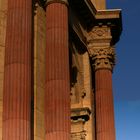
x=126 y=76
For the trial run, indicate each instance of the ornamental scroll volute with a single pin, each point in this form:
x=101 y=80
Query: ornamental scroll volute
x=99 y=47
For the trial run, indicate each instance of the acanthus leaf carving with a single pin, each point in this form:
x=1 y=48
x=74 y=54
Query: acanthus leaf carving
x=102 y=57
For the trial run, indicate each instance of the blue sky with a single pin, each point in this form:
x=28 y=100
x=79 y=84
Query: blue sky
x=126 y=76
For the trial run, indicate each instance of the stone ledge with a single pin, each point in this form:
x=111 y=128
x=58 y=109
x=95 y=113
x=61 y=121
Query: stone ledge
x=80 y=113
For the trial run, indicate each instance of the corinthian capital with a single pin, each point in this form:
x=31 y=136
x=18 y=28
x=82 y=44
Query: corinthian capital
x=102 y=58
x=100 y=49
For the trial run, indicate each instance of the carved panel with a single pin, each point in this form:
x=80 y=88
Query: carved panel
x=99 y=33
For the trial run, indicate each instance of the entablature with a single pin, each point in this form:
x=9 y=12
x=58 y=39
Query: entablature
x=89 y=17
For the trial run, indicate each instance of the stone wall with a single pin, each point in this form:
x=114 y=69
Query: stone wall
x=89 y=98
x=82 y=97
x=39 y=71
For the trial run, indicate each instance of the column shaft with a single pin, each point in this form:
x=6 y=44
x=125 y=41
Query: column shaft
x=17 y=74
x=105 y=129
x=57 y=96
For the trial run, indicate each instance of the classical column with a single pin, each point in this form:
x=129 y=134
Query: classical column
x=57 y=94
x=17 y=71
x=103 y=57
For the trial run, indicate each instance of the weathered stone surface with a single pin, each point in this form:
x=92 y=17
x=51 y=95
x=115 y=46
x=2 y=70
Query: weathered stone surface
x=17 y=72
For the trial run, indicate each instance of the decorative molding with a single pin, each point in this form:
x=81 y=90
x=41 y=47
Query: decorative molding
x=47 y=2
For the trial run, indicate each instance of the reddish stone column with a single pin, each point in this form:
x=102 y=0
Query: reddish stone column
x=17 y=74
x=105 y=129
x=103 y=59
x=57 y=96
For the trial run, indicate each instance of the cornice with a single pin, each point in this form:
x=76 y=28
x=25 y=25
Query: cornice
x=108 y=14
